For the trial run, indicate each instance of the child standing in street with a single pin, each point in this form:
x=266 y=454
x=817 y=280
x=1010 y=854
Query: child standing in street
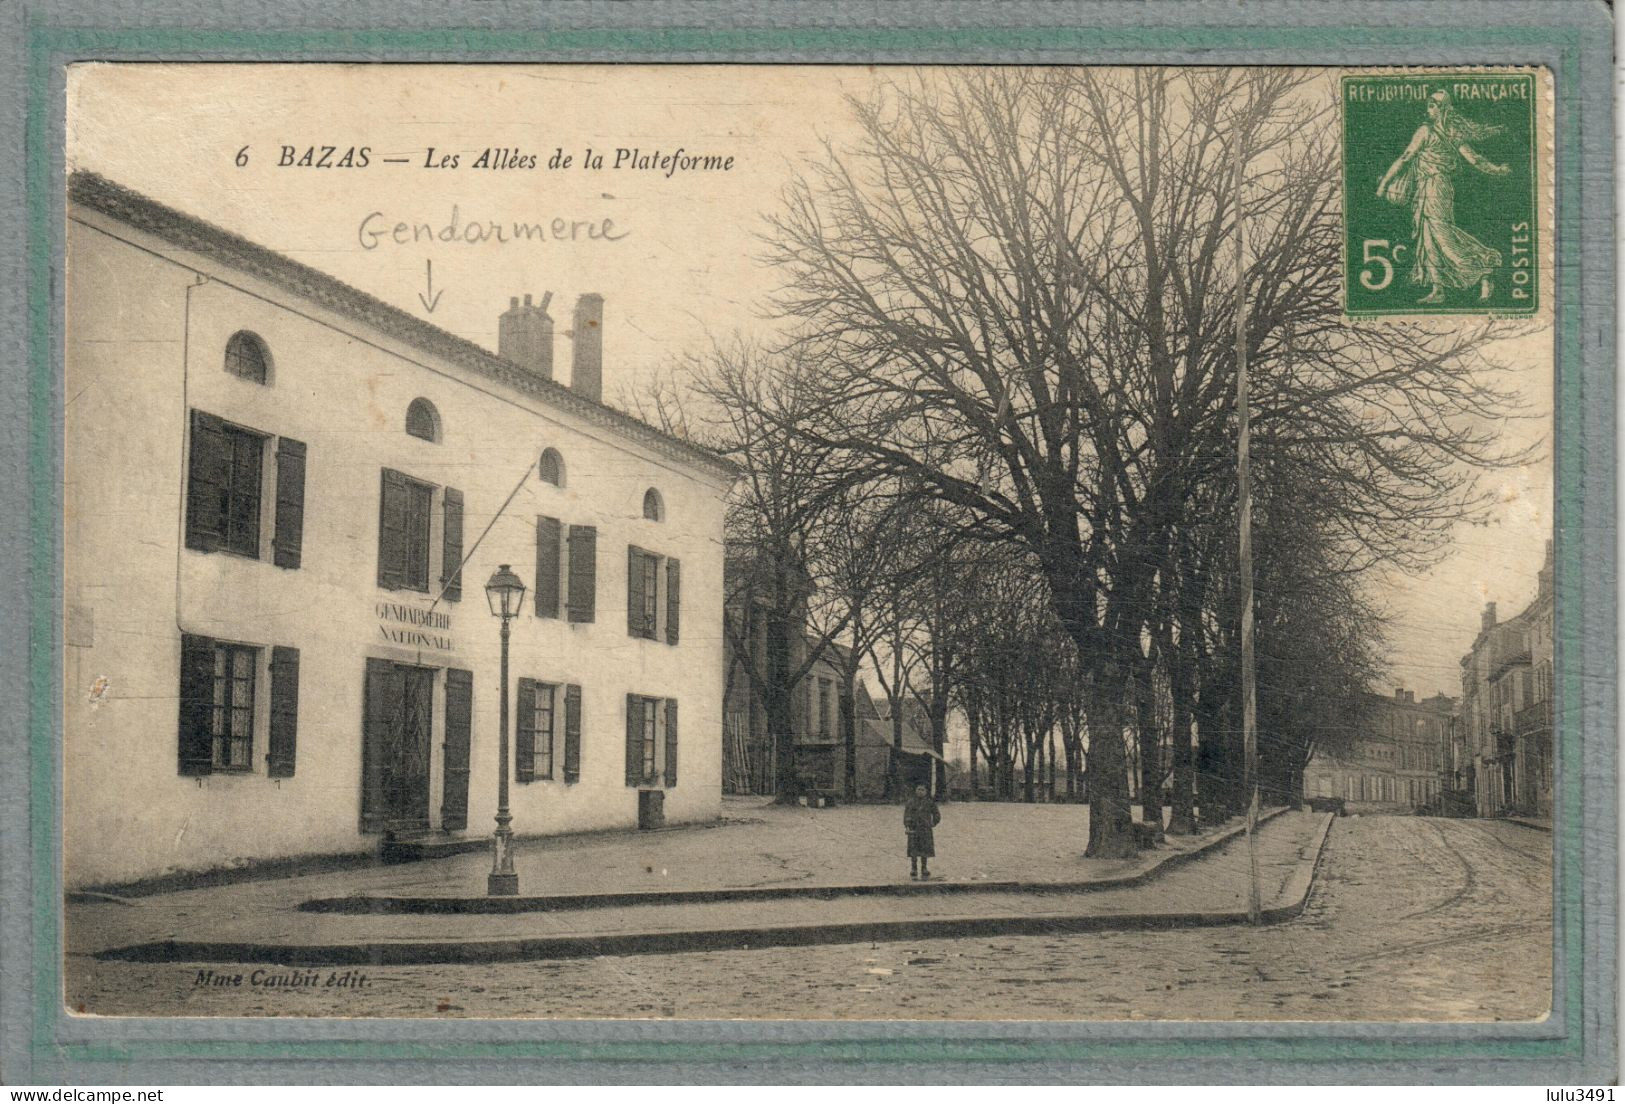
x=920 y=815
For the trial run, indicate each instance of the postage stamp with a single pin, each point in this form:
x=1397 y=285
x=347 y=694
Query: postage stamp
x=1441 y=193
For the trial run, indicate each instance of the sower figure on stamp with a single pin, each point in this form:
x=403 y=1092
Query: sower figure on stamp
x=1446 y=255
x=920 y=815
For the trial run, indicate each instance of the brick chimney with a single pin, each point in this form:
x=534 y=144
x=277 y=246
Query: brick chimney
x=525 y=335
x=587 y=367
x=1407 y=697
x=1488 y=622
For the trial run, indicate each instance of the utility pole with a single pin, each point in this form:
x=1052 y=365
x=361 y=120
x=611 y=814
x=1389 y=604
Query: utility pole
x=1244 y=499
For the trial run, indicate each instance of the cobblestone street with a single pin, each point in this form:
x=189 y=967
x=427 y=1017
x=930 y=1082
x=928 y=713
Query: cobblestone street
x=1410 y=919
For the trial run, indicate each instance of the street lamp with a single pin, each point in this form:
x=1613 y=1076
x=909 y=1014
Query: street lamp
x=504 y=592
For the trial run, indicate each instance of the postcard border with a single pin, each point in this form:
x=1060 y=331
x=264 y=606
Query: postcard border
x=1577 y=1040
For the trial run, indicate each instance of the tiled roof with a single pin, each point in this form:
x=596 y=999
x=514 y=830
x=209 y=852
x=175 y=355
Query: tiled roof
x=195 y=235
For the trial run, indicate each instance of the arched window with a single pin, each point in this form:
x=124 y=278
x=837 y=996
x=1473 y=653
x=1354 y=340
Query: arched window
x=551 y=467
x=246 y=358
x=422 y=420
x=653 y=508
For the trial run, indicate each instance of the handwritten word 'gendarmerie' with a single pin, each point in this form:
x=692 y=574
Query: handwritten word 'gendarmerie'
x=377 y=229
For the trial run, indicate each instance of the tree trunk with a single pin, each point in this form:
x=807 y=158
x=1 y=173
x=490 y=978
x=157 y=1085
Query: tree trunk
x=849 y=736
x=1150 y=743
x=939 y=740
x=1181 y=818
x=974 y=736
x=1111 y=835
x=779 y=692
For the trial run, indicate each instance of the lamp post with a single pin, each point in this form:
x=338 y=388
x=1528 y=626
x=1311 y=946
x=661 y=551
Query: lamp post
x=504 y=592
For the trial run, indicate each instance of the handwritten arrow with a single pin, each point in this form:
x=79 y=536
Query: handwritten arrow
x=430 y=299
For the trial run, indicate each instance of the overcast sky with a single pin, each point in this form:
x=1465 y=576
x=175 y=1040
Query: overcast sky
x=683 y=266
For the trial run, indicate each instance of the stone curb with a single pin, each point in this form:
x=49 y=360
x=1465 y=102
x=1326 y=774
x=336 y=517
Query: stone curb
x=447 y=952
x=1300 y=896
x=361 y=904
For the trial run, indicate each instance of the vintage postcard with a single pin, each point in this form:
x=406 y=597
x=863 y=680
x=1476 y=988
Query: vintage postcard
x=718 y=542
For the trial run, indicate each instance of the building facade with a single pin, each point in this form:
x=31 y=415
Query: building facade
x=1394 y=762
x=820 y=714
x=1508 y=695
x=283 y=499
x=824 y=717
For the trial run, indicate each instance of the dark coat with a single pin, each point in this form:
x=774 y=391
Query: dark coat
x=921 y=815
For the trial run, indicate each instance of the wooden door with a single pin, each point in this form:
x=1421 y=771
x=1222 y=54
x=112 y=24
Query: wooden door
x=407 y=784
x=395 y=747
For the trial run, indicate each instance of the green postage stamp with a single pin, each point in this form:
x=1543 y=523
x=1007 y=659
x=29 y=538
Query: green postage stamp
x=1442 y=193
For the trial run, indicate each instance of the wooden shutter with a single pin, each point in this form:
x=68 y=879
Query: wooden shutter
x=288 y=543
x=671 y=741
x=572 y=733
x=634 y=591
x=382 y=702
x=196 y=743
x=548 y=532
x=451 y=545
x=583 y=573
x=207 y=470
x=524 y=733
x=283 y=742
x=459 y=725
x=634 y=740
x=674 y=599
x=392 y=507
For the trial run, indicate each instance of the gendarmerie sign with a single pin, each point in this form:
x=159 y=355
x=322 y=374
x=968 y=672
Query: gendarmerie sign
x=413 y=627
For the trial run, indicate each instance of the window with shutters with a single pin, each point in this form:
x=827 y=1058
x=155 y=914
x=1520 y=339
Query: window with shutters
x=642 y=593
x=223 y=486
x=247 y=358
x=404 y=518
x=536 y=739
x=653 y=595
x=231 y=724
x=651 y=740
x=651 y=718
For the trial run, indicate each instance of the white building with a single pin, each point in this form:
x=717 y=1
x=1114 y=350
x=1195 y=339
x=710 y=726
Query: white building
x=270 y=480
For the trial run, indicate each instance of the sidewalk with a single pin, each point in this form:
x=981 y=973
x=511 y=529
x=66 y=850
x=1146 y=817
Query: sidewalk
x=262 y=922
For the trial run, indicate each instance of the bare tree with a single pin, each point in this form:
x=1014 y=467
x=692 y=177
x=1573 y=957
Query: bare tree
x=778 y=522
x=1020 y=292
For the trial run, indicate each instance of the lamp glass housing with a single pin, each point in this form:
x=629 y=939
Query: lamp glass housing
x=505 y=592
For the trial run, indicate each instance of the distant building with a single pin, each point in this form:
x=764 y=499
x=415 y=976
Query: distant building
x=881 y=744
x=820 y=712
x=822 y=715
x=1507 y=701
x=1396 y=760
